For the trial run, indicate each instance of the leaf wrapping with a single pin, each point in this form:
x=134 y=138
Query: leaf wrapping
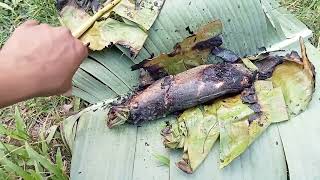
x=126 y=25
x=191 y=52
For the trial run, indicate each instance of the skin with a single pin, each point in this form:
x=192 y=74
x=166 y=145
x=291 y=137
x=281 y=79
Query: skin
x=38 y=60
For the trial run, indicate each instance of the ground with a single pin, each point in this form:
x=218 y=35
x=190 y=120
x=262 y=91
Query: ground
x=42 y=116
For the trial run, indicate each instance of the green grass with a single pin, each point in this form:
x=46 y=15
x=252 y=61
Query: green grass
x=36 y=124
x=41 y=10
x=308 y=11
x=32 y=148
x=24 y=145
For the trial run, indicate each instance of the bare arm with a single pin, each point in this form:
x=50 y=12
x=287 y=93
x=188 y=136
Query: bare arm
x=38 y=60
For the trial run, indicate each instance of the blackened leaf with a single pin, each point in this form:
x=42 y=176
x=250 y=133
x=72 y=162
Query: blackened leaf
x=263 y=55
x=294 y=57
x=192 y=52
x=225 y=54
x=267 y=66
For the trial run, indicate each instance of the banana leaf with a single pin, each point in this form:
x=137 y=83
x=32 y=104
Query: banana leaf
x=191 y=52
x=106 y=75
x=240 y=126
x=127 y=26
x=198 y=130
x=297 y=81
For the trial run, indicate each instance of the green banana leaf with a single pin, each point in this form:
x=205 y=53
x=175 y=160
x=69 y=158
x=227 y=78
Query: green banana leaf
x=285 y=150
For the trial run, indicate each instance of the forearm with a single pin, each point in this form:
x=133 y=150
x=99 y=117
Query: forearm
x=16 y=82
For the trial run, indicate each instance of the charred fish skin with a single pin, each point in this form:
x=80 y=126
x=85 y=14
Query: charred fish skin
x=210 y=82
x=185 y=90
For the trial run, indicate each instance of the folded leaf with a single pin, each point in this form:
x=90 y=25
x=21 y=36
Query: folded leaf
x=174 y=135
x=234 y=128
x=240 y=124
x=297 y=82
x=142 y=12
x=199 y=129
x=104 y=33
x=271 y=101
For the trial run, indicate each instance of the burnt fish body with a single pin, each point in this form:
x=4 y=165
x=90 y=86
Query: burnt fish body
x=182 y=91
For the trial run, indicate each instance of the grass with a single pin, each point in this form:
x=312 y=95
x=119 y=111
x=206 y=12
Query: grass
x=308 y=11
x=42 y=10
x=40 y=119
x=33 y=147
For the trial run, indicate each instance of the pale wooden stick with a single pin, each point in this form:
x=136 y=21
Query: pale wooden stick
x=84 y=27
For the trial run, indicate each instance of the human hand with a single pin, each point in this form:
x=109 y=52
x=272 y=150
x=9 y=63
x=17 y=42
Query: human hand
x=38 y=60
x=47 y=56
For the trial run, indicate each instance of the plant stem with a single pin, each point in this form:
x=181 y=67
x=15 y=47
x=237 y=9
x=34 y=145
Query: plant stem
x=94 y=18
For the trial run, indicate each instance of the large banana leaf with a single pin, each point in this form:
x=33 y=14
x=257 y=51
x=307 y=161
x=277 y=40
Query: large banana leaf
x=126 y=153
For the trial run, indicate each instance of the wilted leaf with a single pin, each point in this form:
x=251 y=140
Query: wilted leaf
x=234 y=128
x=104 y=33
x=249 y=64
x=44 y=145
x=271 y=101
x=297 y=82
x=191 y=52
x=241 y=124
x=174 y=135
x=142 y=12
x=200 y=131
x=114 y=30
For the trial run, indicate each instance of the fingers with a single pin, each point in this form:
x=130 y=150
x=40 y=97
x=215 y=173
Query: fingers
x=80 y=48
x=30 y=23
x=63 y=30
